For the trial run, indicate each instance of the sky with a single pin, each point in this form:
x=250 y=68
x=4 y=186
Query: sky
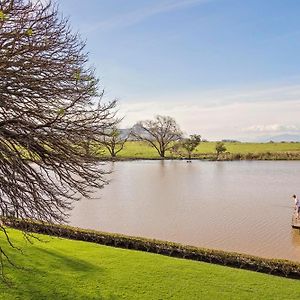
x=224 y=69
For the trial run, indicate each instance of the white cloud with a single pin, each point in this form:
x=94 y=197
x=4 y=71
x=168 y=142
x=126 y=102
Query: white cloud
x=243 y=114
x=272 y=128
x=139 y=15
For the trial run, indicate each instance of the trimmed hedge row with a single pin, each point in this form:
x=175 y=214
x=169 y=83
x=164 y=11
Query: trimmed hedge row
x=270 y=266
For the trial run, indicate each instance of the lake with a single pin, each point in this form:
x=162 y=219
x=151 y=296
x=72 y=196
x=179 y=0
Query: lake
x=242 y=206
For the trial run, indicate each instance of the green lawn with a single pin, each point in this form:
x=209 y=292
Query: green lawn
x=65 y=269
x=143 y=150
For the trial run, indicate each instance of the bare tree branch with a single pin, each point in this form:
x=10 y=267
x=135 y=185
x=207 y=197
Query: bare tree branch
x=49 y=107
x=159 y=133
x=114 y=141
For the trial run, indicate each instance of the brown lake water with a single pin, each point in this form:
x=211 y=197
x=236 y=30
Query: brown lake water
x=243 y=206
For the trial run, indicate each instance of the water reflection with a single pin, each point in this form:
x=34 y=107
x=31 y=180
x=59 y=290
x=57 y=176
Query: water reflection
x=235 y=206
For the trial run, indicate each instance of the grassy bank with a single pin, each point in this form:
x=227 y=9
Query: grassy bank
x=65 y=269
x=206 y=150
x=238 y=260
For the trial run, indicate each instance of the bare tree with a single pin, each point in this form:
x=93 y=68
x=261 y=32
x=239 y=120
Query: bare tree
x=49 y=107
x=160 y=133
x=114 y=141
x=191 y=143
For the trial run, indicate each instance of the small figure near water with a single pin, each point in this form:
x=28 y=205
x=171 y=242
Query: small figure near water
x=297 y=205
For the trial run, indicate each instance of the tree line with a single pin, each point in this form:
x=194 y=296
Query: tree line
x=162 y=133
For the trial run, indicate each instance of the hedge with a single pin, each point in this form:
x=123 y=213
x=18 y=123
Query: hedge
x=277 y=267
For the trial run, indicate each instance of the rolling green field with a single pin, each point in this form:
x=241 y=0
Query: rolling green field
x=65 y=269
x=134 y=149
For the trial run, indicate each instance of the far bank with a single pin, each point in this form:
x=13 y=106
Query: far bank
x=206 y=150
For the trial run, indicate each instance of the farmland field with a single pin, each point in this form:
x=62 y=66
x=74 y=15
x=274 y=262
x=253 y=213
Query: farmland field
x=135 y=149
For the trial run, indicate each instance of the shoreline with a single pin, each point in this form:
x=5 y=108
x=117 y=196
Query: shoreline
x=211 y=157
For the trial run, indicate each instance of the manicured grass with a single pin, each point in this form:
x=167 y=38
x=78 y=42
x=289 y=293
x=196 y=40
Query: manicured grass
x=65 y=269
x=134 y=149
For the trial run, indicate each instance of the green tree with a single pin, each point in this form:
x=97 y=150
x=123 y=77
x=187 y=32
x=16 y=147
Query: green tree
x=220 y=148
x=191 y=143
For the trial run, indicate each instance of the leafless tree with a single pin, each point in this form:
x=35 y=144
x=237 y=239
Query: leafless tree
x=160 y=133
x=114 y=141
x=49 y=108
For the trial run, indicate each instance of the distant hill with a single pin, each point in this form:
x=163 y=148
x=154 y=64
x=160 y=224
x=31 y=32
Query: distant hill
x=230 y=141
x=279 y=138
x=137 y=129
